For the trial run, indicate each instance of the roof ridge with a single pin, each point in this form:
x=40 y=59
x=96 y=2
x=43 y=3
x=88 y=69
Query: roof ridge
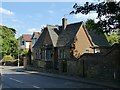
x=75 y=23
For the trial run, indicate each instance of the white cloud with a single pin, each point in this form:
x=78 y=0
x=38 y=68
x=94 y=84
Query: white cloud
x=50 y=11
x=51 y=0
x=31 y=30
x=42 y=26
x=14 y=20
x=84 y=17
x=5 y=11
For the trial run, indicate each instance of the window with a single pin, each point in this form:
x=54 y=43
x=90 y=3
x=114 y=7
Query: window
x=97 y=50
x=42 y=54
x=61 y=54
x=49 y=54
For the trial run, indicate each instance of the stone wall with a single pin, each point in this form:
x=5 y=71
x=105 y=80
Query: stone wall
x=97 y=66
x=43 y=64
x=62 y=65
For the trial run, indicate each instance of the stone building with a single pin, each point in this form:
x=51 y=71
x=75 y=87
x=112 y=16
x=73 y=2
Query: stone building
x=59 y=44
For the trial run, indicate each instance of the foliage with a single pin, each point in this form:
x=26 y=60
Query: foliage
x=91 y=25
x=113 y=38
x=9 y=44
x=8 y=58
x=24 y=53
x=109 y=10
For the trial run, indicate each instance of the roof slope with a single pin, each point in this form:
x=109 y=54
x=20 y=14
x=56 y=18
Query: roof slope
x=67 y=36
x=53 y=34
x=27 y=37
x=40 y=40
x=97 y=38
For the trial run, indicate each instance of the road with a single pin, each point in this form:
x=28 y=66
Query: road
x=16 y=79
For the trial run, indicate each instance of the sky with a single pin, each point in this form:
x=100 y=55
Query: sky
x=28 y=17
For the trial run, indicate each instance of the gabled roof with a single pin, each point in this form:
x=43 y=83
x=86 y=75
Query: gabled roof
x=97 y=38
x=54 y=36
x=40 y=40
x=27 y=37
x=53 y=32
x=36 y=35
x=67 y=36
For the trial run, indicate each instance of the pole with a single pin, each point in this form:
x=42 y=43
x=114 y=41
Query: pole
x=19 y=46
x=18 y=56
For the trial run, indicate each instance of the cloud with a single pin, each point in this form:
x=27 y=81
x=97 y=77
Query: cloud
x=42 y=26
x=14 y=20
x=50 y=11
x=5 y=11
x=84 y=17
x=31 y=30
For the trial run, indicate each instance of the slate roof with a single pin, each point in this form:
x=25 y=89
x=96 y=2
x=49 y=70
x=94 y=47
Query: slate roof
x=67 y=36
x=97 y=38
x=53 y=32
x=27 y=37
x=40 y=40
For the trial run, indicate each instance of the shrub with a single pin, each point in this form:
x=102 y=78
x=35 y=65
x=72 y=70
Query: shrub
x=8 y=60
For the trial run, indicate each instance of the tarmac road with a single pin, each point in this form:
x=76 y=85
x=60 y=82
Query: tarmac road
x=19 y=79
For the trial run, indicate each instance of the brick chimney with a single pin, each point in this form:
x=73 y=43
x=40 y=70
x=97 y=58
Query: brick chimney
x=64 y=23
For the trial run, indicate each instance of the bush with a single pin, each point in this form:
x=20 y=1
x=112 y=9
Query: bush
x=8 y=60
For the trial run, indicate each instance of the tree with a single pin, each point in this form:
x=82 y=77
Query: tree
x=9 y=44
x=24 y=53
x=112 y=38
x=91 y=25
x=109 y=10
